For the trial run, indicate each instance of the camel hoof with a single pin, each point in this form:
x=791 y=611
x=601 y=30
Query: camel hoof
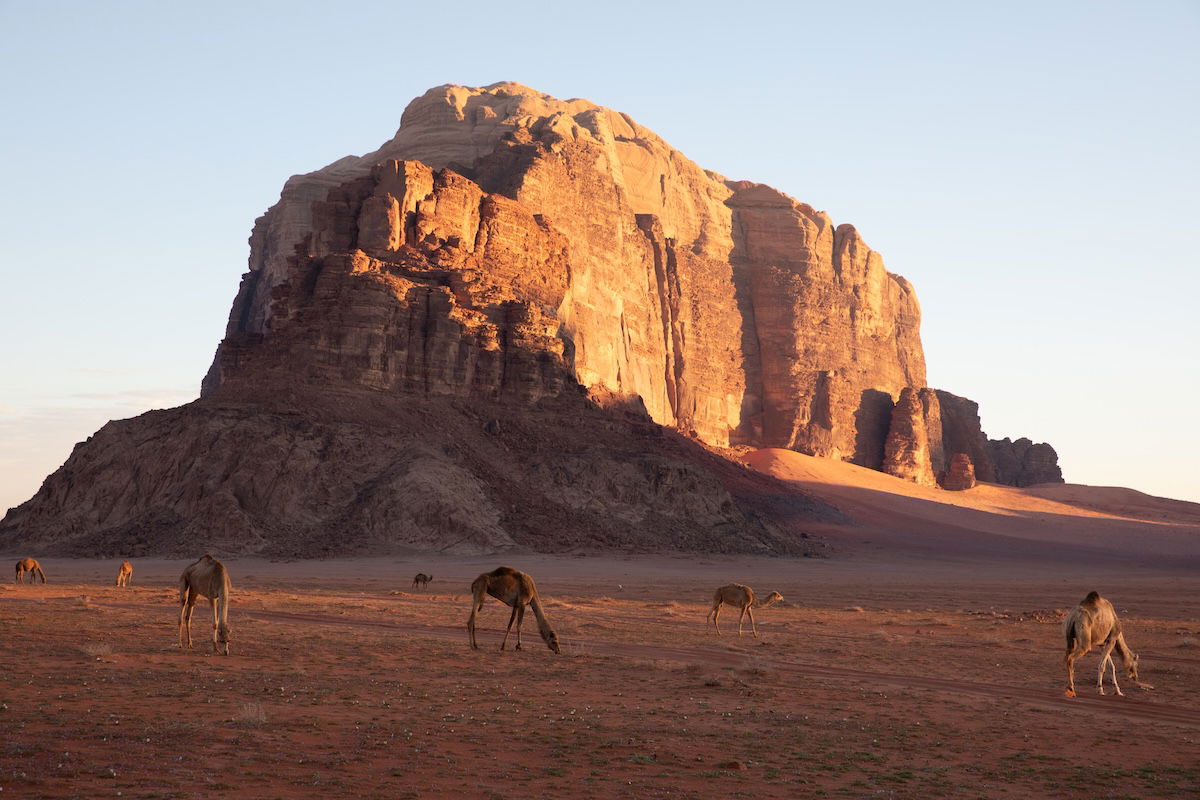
x=1069 y=693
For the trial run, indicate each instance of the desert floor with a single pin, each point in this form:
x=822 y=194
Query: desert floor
x=896 y=676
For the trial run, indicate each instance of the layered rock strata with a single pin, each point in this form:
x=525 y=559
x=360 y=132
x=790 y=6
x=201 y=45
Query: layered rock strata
x=730 y=309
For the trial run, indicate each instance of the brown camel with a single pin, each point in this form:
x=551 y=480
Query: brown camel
x=31 y=566
x=1094 y=623
x=421 y=579
x=514 y=589
x=125 y=574
x=741 y=597
x=205 y=578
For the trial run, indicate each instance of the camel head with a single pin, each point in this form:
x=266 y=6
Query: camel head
x=221 y=639
x=551 y=639
x=1131 y=666
x=774 y=597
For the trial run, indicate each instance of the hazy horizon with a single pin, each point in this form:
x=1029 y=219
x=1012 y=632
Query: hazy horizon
x=1030 y=169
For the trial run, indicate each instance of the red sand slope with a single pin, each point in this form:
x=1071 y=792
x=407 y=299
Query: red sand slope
x=1053 y=521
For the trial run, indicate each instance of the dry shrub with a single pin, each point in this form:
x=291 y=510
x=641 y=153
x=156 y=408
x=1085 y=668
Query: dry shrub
x=1186 y=641
x=855 y=609
x=252 y=715
x=757 y=668
x=97 y=649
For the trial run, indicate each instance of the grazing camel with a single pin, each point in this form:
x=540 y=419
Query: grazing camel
x=1094 y=623
x=742 y=597
x=421 y=579
x=208 y=578
x=125 y=574
x=514 y=589
x=31 y=566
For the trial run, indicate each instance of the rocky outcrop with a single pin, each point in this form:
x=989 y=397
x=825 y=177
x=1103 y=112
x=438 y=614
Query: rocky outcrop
x=914 y=444
x=963 y=433
x=521 y=322
x=959 y=475
x=295 y=471
x=1023 y=463
x=730 y=309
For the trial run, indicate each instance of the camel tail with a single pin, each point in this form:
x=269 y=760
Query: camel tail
x=1071 y=632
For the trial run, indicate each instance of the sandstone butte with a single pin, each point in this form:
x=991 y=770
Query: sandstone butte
x=526 y=322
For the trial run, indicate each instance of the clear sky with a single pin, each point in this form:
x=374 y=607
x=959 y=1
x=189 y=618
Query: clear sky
x=1031 y=167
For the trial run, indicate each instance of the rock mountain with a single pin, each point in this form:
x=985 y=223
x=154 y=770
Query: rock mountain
x=527 y=322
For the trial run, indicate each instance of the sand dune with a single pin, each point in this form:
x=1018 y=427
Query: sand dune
x=1051 y=521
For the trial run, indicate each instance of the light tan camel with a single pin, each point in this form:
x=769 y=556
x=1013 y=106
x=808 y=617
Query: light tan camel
x=1094 y=623
x=741 y=597
x=31 y=566
x=514 y=589
x=421 y=579
x=125 y=574
x=205 y=578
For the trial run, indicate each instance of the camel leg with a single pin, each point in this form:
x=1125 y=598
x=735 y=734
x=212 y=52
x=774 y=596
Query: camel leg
x=741 y=618
x=182 y=620
x=1105 y=660
x=512 y=618
x=185 y=620
x=715 y=613
x=216 y=647
x=520 y=619
x=1114 y=677
x=1071 y=658
x=753 y=627
x=471 y=625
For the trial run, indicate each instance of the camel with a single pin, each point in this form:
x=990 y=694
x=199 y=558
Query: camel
x=31 y=566
x=514 y=589
x=1094 y=623
x=421 y=579
x=742 y=597
x=207 y=577
x=125 y=574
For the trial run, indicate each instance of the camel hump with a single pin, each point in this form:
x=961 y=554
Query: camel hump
x=1091 y=599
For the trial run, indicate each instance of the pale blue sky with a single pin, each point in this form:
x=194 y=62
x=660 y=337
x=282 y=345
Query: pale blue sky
x=1030 y=166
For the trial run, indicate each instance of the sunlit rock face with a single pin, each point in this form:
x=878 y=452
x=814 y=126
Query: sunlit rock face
x=507 y=243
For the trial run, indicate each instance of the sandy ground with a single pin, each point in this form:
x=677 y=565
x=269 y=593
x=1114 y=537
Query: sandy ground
x=875 y=678
x=924 y=659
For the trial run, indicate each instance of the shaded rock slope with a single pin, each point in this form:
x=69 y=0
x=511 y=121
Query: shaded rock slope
x=525 y=322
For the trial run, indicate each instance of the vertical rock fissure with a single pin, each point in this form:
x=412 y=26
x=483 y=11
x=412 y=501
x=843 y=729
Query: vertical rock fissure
x=752 y=369
x=648 y=225
x=683 y=414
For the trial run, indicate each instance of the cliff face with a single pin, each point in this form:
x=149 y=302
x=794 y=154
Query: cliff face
x=500 y=214
x=516 y=262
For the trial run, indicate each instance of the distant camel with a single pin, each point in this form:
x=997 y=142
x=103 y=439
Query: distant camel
x=125 y=574
x=205 y=578
x=741 y=597
x=1094 y=623
x=32 y=567
x=514 y=589
x=421 y=579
